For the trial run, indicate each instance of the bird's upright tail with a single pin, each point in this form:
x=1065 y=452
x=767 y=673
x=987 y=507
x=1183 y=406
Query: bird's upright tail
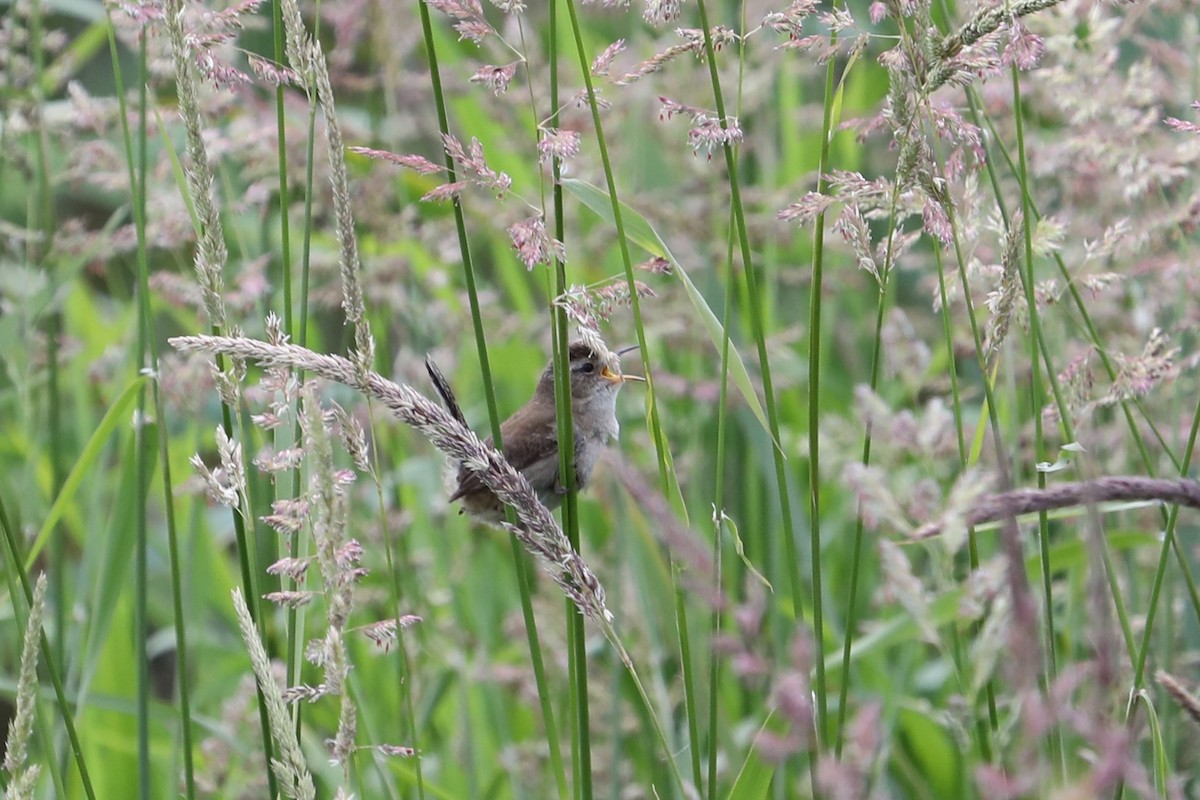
x=444 y=391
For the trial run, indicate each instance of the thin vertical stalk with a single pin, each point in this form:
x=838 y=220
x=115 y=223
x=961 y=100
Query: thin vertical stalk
x=566 y=433
x=983 y=728
x=293 y=643
x=41 y=222
x=791 y=556
x=519 y=559
x=714 y=663
x=141 y=623
x=859 y=522
x=586 y=789
x=1036 y=393
x=285 y=239
x=211 y=260
x=65 y=704
x=1171 y=541
x=147 y=349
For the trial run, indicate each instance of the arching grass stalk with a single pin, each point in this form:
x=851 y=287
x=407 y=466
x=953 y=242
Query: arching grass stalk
x=296 y=616
x=285 y=239
x=714 y=663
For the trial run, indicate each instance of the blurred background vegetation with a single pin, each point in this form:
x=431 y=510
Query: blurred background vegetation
x=788 y=638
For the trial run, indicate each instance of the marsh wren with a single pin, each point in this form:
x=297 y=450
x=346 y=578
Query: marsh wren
x=530 y=436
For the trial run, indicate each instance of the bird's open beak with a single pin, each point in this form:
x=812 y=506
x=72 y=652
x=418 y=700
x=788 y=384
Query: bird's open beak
x=614 y=377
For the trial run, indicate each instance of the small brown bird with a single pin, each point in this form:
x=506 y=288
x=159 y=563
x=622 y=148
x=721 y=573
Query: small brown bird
x=531 y=434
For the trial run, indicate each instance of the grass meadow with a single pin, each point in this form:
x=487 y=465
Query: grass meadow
x=902 y=511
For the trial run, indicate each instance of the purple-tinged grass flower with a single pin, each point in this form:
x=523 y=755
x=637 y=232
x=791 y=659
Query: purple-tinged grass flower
x=446 y=191
x=604 y=61
x=290 y=598
x=289 y=515
x=1182 y=125
x=396 y=750
x=533 y=243
x=273 y=74
x=853 y=229
x=693 y=42
x=473 y=165
x=1138 y=376
x=294 y=568
x=416 y=163
x=791 y=19
x=272 y=461
x=469 y=20
x=806 y=209
x=656 y=265
x=1024 y=48
x=383 y=633
x=557 y=143
x=708 y=132
x=510 y=6
x=494 y=77
x=660 y=12
x=1183 y=698
x=581 y=99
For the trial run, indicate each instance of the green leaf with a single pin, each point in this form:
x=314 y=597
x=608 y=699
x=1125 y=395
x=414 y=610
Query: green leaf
x=91 y=452
x=840 y=93
x=740 y=547
x=641 y=233
x=1161 y=758
x=934 y=753
x=754 y=778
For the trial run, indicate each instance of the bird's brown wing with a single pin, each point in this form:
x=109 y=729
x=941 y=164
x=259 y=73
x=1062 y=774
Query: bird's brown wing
x=530 y=445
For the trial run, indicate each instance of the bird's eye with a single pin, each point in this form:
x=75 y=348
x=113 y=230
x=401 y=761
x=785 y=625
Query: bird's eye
x=587 y=366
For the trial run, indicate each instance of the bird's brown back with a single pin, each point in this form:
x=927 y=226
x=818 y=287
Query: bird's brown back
x=529 y=451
